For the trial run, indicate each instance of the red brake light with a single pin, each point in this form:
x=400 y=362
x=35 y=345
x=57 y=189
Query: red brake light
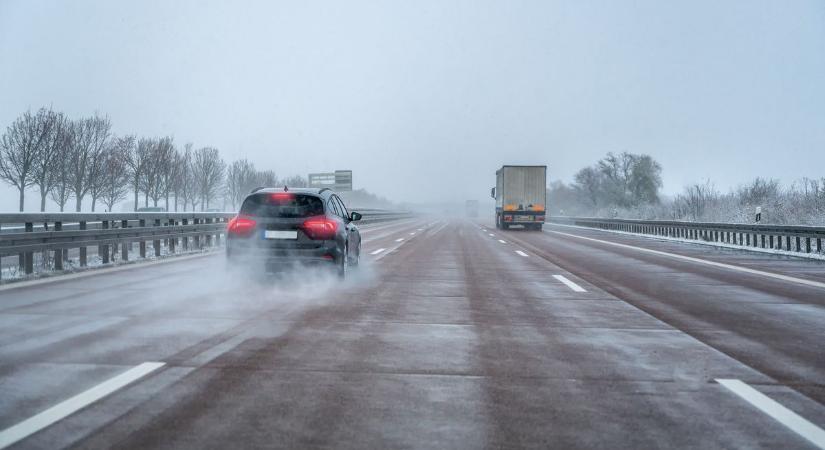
x=281 y=197
x=240 y=226
x=320 y=228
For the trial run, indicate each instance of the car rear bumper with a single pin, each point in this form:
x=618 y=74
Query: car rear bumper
x=276 y=257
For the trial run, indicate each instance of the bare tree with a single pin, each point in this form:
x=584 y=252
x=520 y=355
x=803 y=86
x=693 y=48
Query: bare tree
x=156 y=174
x=90 y=137
x=60 y=190
x=115 y=177
x=52 y=150
x=20 y=148
x=165 y=158
x=264 y=178
x=240 y=175
x=208 y=170
x=137 y=160
x=295 y=181
x=187 y=186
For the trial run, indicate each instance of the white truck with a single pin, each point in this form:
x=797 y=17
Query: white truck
x=521 y=194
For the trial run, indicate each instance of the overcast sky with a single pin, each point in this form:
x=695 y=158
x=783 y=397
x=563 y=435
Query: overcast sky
x=424 y=99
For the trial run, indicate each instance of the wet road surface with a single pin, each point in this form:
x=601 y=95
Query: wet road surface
x=450 y=335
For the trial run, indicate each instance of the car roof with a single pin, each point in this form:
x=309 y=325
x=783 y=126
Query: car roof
x=316 y=191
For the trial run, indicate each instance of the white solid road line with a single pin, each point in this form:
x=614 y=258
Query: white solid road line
x=781 y=414
x=575 y=287
x=521 y=253
x=377 y=251
x=399 y=239
x=67 y=407
x=701 y=261
x=502 y=241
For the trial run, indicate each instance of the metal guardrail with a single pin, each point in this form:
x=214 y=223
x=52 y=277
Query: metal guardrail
x=114 y=234
x=789 y=238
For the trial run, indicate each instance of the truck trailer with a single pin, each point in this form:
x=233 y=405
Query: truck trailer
x=520 y=193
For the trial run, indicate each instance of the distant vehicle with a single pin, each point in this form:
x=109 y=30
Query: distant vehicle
x=151 y=209
x=471 y=208
x=278 y=228
x=521 y=194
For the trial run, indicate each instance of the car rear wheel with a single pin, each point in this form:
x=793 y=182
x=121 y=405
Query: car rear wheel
x=357 y=258
x=343 y=265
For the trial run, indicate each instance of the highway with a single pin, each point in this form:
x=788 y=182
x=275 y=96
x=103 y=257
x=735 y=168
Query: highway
x=451 y=334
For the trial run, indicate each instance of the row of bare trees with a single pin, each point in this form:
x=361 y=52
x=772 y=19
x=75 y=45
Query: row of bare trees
x=64 y=159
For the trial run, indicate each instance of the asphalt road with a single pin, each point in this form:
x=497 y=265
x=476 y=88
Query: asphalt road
x=450 y=335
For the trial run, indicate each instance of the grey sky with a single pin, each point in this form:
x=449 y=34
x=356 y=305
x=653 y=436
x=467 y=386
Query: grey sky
x=424 y=99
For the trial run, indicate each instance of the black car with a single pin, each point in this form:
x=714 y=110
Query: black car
x=283 y=227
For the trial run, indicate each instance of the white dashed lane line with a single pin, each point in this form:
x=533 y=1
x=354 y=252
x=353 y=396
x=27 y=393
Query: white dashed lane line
x=377 y=251
x=522 y=253
x=774 y=409
x=575 y=287
x=502 y=241
x=399 y=239
x=68 y=407
x=491 y=234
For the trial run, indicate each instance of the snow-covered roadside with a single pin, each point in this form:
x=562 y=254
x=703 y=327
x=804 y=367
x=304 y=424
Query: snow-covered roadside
x=813 y=255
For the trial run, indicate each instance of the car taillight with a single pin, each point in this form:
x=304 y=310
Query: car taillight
x=539 y=218
x=240 y=226
x=508 y=218
x=320 y=228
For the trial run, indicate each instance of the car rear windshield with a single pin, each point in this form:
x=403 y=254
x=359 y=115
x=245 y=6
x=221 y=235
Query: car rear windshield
x=282 y=204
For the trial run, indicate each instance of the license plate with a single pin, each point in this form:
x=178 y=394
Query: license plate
x=276 y=234
x=524 y=218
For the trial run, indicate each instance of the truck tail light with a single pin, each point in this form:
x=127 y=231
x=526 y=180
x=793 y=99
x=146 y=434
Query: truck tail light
x=508 y=218
x=539 y=218
x=320 y=228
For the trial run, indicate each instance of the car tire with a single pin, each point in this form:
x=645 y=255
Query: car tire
x=343 y=265
x=357 y=259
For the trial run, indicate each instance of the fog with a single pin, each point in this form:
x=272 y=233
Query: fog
x=423 y=100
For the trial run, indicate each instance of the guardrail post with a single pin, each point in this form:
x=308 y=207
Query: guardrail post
x=58 y=252
x=82 y=250
x=156 y=242
x=208 y=234
x=29 y=256
x=124 y=246
x=788 y=243
x=185 y=238
x=819 y=245
x=172 y=242
x=197 y=236
x=142 y=243
x=218 y=234
x=103 y=250
x=807 y=245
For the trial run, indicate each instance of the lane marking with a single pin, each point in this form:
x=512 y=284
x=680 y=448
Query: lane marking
x=68 y=407
x=412 y=234
x=491 y=234
x=781 y=414
x=702 y=261
x=575 y=287
x=399 y=239
x=502 y=241
x=377 y=251
x=420 y=229
x=521 y=253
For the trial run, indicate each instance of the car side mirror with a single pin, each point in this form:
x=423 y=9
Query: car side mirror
x=493 y=192
x=355 y=216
